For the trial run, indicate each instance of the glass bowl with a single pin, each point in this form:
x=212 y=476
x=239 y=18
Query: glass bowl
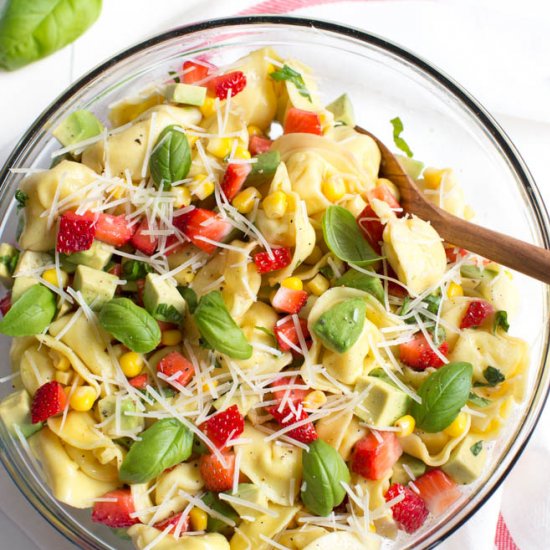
x=444 y=125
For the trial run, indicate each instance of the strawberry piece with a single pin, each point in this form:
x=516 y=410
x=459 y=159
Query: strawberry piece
x=289 y=300
x=258 y=145
x=140 y=381
x=286 y=332
x=477 y=312
x=194 y=72
x=382 y=193
x=173 y=521
x=5 y=304
x=115 y=230
x=454 y=253
x=221 y=85
x=419 y=355
x=200 y=223
x=143 y=242
x=140 y=283
x=216 y=476
x=281 y=258
x=296 y=395
x=234 y=178
x=305 y=433
x=115 y=513
x=223 y=426
x=409 y=514
x=437 y=490
x=397 y=290
x=374 y=455
x=177 y=367
x=49 y=400
x=76 y=233
x=298 y=121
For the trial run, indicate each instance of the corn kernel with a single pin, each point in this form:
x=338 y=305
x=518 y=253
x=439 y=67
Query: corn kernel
x=275 y=205
x=406 y=425
x=241 y=153
x=119 y=192
x=294 y=283
x=201 y=187
x=64 y=378
x=271 y=68
x=62 y=364
x=50 y=276
x=315 y=399
x=433 y=177
x=458 y=426
x=254 y=131
x=199 y=519
x=454 y=289
x=171 y=337
x=83 y=398
x=207 y=386
x=333 y=188
x=208 y=108
x=314 y=257
x=220 y=147
x=183 y=196
x=131 y=363
x=244 y=201
x=318 y=285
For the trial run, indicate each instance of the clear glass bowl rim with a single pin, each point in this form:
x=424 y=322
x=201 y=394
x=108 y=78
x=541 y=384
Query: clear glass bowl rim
x=475 y=109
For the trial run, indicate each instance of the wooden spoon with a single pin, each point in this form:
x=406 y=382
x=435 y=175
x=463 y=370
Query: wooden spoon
x=523 y=257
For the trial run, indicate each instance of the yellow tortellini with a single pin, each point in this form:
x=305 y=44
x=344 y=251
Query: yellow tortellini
x=36 y=368
x=343 y=541
x=341 y=430
x=144 y=535
x=448 y=194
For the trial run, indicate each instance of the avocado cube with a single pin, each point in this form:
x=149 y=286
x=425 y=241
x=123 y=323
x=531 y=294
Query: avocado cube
x=77 y=127
x=383 y=404
x=467 y=460
x=97 y=287
x=412 y=167
x=29 y=261
x=9 y=255
x=414 y=465
x=186 y=94
x=342 y=109
x=96 y=257
x=16 y=410
x=162 y=300
x=252 y=493
x=266 y=164
x=107 y=408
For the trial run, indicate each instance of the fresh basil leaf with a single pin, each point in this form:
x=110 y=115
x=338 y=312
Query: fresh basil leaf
x=344 y=238
x=288 y=73
x=216 y=525
x=430 y=302
x=398 y=140
x=476 y=448
x=492 y=376
x=168 y=313
x=323 y=471
x=190 y=297
x=501 y=321
x=166 y=443
x=31 y=313
x=218 y=328
x=130 y=324
x=171 y=157
x=21 y=197
x=443 y=394
x=33 y=29
x=132 y=270
x=367 y=283
x=478 y=401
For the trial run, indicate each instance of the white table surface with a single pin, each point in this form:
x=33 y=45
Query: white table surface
x=496 y=32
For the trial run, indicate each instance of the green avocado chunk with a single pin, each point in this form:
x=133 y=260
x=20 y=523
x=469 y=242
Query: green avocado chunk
x=342 y=109
x=251 y=493
x=77 y=127
x=162 y=300
x=362 y=281
x=107 y=408
x=28 y=261
x=414 y=465
x=9 y=256
x=186 y=94
x=412 y=167
x=96 y=257
x=97 y=287
x=15 y=409
x=341 y=325
x=467 y=460
x=266 y=164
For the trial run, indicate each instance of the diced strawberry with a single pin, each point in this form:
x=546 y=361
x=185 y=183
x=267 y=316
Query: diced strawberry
x=306 y=433
x=143 y=242
x=409 y=514
x=289 y=300
x=295 y=396
x=140 y=381
x=478 y=311
x=221 y=85
x=234 y=178
x=199 y=224
x=374 y=455
x=177 y=367
x=437 y=490
x=174 y=245
x=173 y=521
x=115 y=512
x=76 y=233
x=419 y=355
x=49 y=400
x=216 y=476
x=454 y=253
x=286 y=332
x=194 y=72
x=258 y=145
x=300 y=121
x=396 y=290
x=383 y=193
x=281 y=258
x=115 y=230
x=223 y=426
x=5 y=303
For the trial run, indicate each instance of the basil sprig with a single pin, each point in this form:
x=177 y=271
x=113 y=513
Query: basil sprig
x=166 y=443
x=344 y=238
x=31 y=313
x=218 y=329
x=171 y=157
x=21 y=198
x=443 y=394
x=132 y=270
x=288 y=73
x=501 y=321
x=323 y=471
x=398 y=140
x=130 y=324
x=493 y=378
